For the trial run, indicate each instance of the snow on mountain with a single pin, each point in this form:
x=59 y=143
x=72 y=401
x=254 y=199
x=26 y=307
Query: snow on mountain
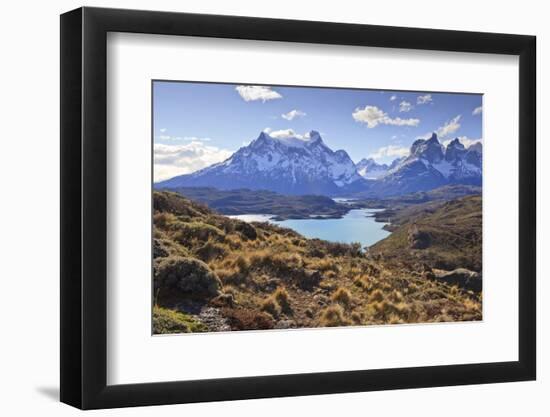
x=369 y=169
x=289 y=164
x=430 y=165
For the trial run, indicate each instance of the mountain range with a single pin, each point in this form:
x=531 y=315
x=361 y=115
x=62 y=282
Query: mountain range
x=306 y=165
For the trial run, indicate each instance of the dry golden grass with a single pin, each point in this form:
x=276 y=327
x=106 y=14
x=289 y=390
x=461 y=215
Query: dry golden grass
x=343 y=297
x=333 y=316
x=265 y=275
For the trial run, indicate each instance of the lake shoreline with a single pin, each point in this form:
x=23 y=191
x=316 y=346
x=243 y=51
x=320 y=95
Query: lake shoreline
x=357 y=225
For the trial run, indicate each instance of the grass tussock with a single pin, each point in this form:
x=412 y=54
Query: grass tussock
x=262 y=276
x=333 y=316
x=343 y=297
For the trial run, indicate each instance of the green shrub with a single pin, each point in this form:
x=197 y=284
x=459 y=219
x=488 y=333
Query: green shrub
x=170 y=321
x=188 y=275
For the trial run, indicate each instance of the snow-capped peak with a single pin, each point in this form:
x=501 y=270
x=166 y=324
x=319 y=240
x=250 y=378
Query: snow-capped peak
x=280 y=161
x=291 y=139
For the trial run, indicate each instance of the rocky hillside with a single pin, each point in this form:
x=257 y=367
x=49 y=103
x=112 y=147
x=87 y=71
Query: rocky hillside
x=212 y=273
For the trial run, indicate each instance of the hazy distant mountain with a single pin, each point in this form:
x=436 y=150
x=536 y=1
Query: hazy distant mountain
x=290 y=165
x=368 y=168
x=306 y=165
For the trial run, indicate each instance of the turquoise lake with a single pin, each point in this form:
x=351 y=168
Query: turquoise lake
x=357 y=225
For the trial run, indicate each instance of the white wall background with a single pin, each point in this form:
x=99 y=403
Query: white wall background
x=29 y=219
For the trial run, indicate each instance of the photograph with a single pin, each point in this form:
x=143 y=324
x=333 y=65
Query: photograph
x=286 y=207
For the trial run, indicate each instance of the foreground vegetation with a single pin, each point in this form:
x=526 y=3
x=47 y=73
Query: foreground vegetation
x=212 y=273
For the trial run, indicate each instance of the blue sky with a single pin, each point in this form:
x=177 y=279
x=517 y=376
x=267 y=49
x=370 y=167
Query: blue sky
x=197 y=124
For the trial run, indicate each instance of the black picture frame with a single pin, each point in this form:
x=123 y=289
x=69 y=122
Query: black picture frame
x=84 y=207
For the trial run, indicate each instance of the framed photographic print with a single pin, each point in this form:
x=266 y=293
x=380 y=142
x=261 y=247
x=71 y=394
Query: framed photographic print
x=258 y=207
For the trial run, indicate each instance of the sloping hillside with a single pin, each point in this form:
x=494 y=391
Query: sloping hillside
x=212 y=273
x=445 y=235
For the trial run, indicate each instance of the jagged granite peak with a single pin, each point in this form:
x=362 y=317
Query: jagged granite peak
x=289 y=164
x=455 y=149
x=303 y=164
x=429 y=149
x=476 y=147
x=430 y=165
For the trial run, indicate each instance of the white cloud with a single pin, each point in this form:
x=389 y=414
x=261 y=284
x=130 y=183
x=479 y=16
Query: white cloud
x=196 y=139
x=257 y=92
x=285 y=133
x=185 y=138
x=425 y=99
x=466 y=141
x=477 y=110
x=450 y=127
x=405 y=106
x=390 y=151
x=373 y=116
x=293 y=114
x=394 y=97
x=172 y=160
x=162 y=130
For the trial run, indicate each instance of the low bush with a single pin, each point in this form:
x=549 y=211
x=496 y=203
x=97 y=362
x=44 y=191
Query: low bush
x=247 y=230
x=189 y=275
